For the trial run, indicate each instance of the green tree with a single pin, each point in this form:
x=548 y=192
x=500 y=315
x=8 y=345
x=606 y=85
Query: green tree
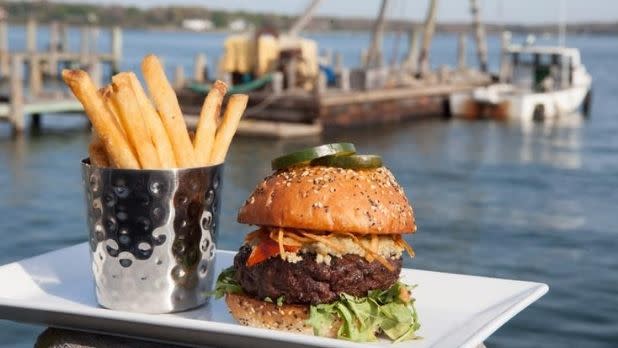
x=219 y=19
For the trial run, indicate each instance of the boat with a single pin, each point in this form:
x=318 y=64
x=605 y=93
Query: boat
x=535 y=83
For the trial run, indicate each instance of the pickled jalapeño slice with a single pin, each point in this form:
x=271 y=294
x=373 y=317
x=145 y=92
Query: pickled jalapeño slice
x=349 y=162
x=307 y=155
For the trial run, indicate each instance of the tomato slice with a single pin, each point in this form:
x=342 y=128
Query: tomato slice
x=265 y=249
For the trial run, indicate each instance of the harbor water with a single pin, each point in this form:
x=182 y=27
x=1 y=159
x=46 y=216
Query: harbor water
x=534 y=202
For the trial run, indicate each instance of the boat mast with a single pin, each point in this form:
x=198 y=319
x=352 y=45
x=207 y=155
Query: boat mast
x=304 y=19
x=374 y=53
x=562 y=25
x=479 y=34
x=428 y=30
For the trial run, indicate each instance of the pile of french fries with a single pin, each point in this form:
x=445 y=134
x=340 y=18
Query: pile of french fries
x=130 y=132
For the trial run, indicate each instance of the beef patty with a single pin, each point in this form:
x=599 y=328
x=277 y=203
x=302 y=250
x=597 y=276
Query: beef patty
x=309 y=282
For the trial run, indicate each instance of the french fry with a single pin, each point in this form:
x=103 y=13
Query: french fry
x=233 y=112
x=133 y=123
x=96 y=152
x=105 y=93
x=157 y=132
x=166 y=102
x=207 y=125
x=116 y=145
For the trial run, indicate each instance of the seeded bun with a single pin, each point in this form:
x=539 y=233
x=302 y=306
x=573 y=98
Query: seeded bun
x=249 y=311
x=368 y=201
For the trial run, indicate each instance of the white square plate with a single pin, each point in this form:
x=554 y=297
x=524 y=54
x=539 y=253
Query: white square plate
x=56 y=289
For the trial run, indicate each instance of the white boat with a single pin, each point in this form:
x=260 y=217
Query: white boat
x=536 y=83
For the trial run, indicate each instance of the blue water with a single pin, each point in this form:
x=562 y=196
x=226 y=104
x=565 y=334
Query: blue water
x=532 y=202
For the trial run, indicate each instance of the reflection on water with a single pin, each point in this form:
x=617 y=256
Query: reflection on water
x=559 y=138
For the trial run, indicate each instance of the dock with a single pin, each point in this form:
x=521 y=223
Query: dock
x=33 y=76
x=349 y=103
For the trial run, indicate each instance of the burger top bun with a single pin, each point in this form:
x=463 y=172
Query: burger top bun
x=367 y=201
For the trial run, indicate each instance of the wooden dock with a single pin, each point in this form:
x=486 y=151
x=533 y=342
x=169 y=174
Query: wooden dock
x=29 y=93
x=337 y=107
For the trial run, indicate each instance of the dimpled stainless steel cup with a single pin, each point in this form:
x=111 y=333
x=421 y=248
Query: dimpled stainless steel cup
x=152 y=236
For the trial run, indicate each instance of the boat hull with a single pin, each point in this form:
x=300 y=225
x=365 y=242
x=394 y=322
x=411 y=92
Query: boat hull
x=511 y=104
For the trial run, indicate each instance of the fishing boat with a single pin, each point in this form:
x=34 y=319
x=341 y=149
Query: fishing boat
x=537 y=83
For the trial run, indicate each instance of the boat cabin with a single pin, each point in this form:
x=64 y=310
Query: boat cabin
x=543 y=68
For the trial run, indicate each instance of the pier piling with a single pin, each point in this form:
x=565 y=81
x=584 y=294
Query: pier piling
x=54 y=36
x=328 y=56
x=344 y=80
x=94 y=37
x=363 y=56
x=63 y=44
x=227 y=78
x=4 y=50
x=96 y=72
x=116 y=49
x=320 y=86
x=338 y=61
x=35 y=78
x=277 y=83
x=199 y=68
x=16 y=109
x=179 y=76
x=31 y=35
x=54 y=44
x=35 y=122
x=84 y=45
x=290 y=74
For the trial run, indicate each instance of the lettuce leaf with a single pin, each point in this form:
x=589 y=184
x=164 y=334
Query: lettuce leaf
x=388 y=311
x=321 y=318
x=360 y=318
x=226 y=284
x=280 y=301
x=398 y=322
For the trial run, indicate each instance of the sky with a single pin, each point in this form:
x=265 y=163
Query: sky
x=512 y=11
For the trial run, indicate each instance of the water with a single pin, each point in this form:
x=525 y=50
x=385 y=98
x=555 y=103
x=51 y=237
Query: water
x=533 y=202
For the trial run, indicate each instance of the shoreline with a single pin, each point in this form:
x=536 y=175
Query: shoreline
x=392 y=31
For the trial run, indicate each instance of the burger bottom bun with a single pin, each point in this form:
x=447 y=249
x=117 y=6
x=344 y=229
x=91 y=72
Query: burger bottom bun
x=249 y=311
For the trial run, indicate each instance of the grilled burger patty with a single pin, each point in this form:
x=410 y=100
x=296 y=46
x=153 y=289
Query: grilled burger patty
x=309 y=282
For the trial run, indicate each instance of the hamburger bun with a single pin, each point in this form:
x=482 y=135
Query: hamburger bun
x=249 y=311
x=367 y=201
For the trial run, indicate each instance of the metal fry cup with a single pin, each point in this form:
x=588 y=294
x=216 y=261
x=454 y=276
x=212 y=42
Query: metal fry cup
x=152 y=236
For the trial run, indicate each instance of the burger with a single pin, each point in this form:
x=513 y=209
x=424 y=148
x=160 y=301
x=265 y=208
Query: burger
x=327 y=253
